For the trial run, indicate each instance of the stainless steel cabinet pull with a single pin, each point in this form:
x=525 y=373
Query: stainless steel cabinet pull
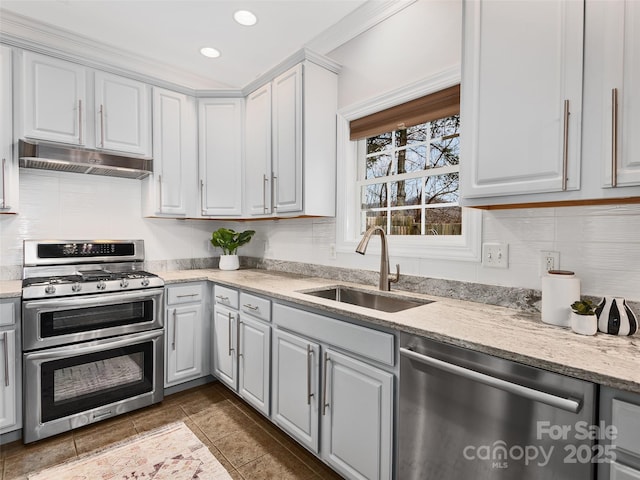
x=526 y=392
x=6 y=359
x=175 y=327
x=80 y=122
x=187 y=295
x=4 y=183
x=239 y=343
x=614 y=137
x=274 y=191
x=202 y=202
x=255 y=308
x=160 y=192
x=101 y=126
x=565 y=146
x=230 y=335
x=264 y=192
x=309 y=367
x=222 y=298
x=325 y=404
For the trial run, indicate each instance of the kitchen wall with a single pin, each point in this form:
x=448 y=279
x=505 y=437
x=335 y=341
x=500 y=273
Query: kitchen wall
x=599 y=243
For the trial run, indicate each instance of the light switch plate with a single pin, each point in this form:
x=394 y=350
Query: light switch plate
x=495 y=255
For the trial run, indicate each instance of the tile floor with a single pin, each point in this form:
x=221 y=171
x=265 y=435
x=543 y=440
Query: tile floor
x=247 y=444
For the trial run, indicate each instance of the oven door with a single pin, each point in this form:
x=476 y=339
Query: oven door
x=60 y=321
x=68 y=387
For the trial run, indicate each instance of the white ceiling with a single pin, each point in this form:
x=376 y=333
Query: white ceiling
x=170 y=33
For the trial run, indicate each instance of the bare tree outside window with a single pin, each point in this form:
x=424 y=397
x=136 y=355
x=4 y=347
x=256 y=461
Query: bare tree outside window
x=410 y=184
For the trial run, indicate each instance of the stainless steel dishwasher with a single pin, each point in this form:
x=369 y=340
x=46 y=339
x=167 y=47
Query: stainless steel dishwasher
x=466 y=415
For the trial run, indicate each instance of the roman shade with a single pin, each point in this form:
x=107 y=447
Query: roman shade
x=440 y=104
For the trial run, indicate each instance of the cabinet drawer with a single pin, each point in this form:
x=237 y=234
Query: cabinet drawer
x=184 y=294
x=257 y=307
x=626 y=418
x=7 y=313
x=226 y=296
x=369 y=343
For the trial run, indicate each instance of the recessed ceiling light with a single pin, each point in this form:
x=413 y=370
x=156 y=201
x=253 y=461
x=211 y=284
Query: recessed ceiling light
x=210 y=52
x=245 y=17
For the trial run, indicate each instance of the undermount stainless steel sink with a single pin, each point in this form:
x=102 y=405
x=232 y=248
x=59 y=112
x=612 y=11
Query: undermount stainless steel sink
x=377 y=301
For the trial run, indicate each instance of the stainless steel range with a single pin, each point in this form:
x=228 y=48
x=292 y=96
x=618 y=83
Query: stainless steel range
x=92 y=323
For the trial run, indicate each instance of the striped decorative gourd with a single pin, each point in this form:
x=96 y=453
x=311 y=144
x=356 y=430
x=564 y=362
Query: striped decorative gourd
x=615 y=317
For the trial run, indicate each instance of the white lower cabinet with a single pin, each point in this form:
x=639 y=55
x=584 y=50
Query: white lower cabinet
x=241 y=337
x=322 y=393
x=10 y=367
x=357 y=421
x=296 y=373
x=224 y=335
x=254 y=352
x=186 y=334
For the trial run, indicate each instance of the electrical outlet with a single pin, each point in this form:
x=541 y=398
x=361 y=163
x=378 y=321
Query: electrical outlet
x=495 y=255
x=549 y=261
x=332 y=251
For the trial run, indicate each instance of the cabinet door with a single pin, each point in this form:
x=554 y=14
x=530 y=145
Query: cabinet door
x=123 y=112
x=254 y=353
x=295 y=387
x=8 y=169
x=258 y=174
x=54 y=99
x=287 y=141
x=357 y=417
x=184 y=343
x=622 y=73
x=224 y=364
x=220 y=142
x=8 y=405
x=170 y=191
x=521 y=97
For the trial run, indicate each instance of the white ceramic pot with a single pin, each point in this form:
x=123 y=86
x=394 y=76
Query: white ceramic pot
x=229 y=262
x=584 y=324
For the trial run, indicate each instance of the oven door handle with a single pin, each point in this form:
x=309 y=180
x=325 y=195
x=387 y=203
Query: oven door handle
x=93 y=347
x=95 y=300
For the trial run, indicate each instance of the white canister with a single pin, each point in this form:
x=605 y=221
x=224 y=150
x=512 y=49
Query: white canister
x=560 y=288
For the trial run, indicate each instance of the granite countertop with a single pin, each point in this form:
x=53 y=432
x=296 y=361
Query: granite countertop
x=522 y=337
x=606 y=359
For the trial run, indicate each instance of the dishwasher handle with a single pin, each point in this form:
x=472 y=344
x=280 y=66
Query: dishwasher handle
x=567 y=404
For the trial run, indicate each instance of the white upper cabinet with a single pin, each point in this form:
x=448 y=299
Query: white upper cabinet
x=123 y=114
x=220 y=159
x=56 y=106
x=620 y=53
x=171 y=190
x=54 y=100
x=521 y=104
x=9 y=184
x=257 y=180
x=290 y=163
x=287 y=141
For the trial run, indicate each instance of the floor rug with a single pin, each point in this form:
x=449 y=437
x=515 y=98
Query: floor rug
x=172 y=452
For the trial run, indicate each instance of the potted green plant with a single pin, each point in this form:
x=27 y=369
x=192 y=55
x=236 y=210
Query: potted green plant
x=583 y=317
x=229 y=240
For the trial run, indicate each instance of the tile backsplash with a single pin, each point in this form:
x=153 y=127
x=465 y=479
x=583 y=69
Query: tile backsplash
x=599 y=243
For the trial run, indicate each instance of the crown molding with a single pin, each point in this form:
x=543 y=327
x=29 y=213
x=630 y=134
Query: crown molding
x=357 y=22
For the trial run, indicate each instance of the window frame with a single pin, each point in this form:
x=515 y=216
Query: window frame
x=465 y=247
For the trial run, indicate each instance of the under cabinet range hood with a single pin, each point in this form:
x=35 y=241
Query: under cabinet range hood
x=62 y=158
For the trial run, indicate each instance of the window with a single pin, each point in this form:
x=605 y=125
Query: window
x=408 y=179
x=398 y=166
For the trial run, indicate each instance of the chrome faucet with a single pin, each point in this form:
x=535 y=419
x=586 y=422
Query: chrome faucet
x=385 y=279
